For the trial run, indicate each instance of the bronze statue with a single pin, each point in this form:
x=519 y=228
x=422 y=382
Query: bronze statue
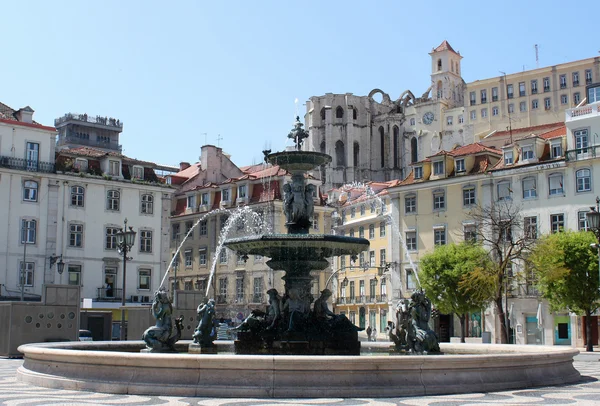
x=205 y=334
x=158 y=338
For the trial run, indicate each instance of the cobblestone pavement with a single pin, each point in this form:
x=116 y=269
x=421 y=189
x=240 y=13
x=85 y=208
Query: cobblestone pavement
x=586 y=392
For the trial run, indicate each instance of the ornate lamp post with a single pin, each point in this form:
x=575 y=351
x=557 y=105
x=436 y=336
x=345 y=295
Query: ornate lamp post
x=125 y=240
x=60 y=264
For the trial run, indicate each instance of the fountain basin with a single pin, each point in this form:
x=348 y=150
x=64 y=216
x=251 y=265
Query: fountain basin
x=464 y=368
x=296 y=161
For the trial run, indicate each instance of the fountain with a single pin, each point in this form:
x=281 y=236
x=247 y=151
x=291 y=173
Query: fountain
x=289 y=350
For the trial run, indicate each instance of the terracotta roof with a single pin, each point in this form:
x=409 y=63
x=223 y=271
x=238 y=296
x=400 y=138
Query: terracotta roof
x=253 y=168
x=557 y=132
x=445 y=46
x=98 y=153
x=189 y=172
x=521 y=132
x=472 y=149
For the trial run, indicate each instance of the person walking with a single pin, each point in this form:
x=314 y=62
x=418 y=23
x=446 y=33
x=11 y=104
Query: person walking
x=374 y=334
x=369 y=331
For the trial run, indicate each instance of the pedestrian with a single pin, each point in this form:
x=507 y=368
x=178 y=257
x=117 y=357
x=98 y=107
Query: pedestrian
x=369 y=331
x=374 y=334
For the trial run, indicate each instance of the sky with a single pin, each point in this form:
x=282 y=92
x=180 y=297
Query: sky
x=181 y=74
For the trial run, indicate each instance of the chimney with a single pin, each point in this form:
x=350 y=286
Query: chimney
x=25 y=115
x=183 y=166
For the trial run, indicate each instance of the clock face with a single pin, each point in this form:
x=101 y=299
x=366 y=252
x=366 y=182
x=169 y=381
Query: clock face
x=428 y=118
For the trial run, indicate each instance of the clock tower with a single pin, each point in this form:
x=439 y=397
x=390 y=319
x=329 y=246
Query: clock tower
x=447 y=84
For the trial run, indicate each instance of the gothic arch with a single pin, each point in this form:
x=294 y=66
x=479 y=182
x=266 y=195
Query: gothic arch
x=385 y=98
x=440 y=89
x=339 y=112
x=406 y=98
x=382 y=146
x=356 y=154
x=396 y=146
x=322 y=147
x=414 y=153
x=323 y=114
x=340 y=154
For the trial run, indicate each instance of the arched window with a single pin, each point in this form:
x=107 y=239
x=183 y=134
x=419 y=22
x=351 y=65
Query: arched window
x=440 y=91
x=381 y=146
x=30 y=191
x=584 y=180
x=147 y=204
x=356 y=154
x=323 y=114
x=413 y=150
x=113 y=199
x=339 y=112
x=340 y=154
x=322 y=147
x=77 y=196
x=439 y=64
x=396 y=147
x=354 y=114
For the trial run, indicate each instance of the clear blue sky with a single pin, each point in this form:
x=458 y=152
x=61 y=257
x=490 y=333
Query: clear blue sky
x=172 y=71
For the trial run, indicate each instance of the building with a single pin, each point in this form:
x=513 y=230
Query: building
x=239 y=201
x=377 y=141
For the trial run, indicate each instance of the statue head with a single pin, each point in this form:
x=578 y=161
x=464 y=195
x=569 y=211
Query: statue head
x=287 y=188
x=272 y=292
x=326 y=293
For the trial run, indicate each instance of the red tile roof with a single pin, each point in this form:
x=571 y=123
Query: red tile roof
x=445 y=46
x=8 y=115
x=472 y=149
x=557 y=132
x=95 y=153
x=521 y=132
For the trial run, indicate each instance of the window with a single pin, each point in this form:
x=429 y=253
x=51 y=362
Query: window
x=439 y=235
x=361 y=259
x=439 y=200
x=534 y=87
x=495 y=111
x=483 y=113
x=505 y=231
x=484 y=96
x=113 y=198
x=77 y=196
x=461 y=119
x=582 y=221
x=411 y=240
x=563 y=81
x=225 y=195
x=74 y=272
x=511 y=108
x=556 y=149
x=418 y=172
x=342 y=262
x=110 y=238
x=144 y=279
x=584 y=180
x=138 y=172
x=494 y=94
x=576 y=98
x=371 y=231
x=382 y=260
x=32 y=155
x=521 y=89
x=315 y=222
x=191 y=202
x=258 y=289
x=469 y=196
x=593 y=94
x=204 y=200
x=508 y=157
x=555 y=184
x=223 y=256
x=529 y=188
x=175 y=228
x=145 y=241
x=546 y=84
x=547 y=103
x=473 y=114
x=412 y=121
x=522 y=106
x=504 y=190
x=30 y=191
x=460 y=165
x=28 y=231
x=588 y=77
x=147 y=204
x=352 y=212
x=575 y=78
x=472 y=98
x=410 y=280
x=557 y=222
x=81 y=164
x=361 y=232
x=438 y=168
x=534 y=104
x=202 y=256
x=351 y=232
x=564 y=99
x=372 y=258
x=509 y=91
x=223 y=222
x=373 y=206
x=75 y=235
x=581 y=141
x=530 y=227
x=242 y=189
x=113 y=168
x=188 y=257
x=26 y=272
x=339 y=112
x=527 y=152
x=449 y=120
x=382 y=229
x=203 y=228
x=222 y=290
x=470 y=232
x=362 y=209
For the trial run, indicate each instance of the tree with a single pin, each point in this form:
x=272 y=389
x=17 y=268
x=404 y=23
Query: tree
x=499 y=228
x=442 y=272
x=567 y=274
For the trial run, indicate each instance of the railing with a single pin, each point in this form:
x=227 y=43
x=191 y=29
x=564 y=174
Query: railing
x=26 y=164
x=109 y=121
x=108 y=295
x=90 y=143
x=588 y=110
x=361 y=299
x=582 y=153
x=523 y=290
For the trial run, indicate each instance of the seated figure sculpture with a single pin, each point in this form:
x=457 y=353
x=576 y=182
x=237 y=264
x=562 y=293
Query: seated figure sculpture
x=296 y=311
x=327 y=320
x=403 y=325
x=158 y=338
x=258 y=321
x=421 y=339
x=205 y=333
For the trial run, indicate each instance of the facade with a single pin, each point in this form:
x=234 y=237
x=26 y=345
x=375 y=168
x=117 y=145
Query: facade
x=210 y=207
x=377 y=141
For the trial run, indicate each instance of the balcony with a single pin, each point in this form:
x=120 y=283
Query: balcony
x=587 y=111
x=69 y=139
x=580 y=154
x=103 y=121
x=26 y=164
x=109 y=295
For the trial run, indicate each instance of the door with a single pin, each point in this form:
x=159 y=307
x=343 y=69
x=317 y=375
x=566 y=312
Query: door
x=361 y=317
x=96 y=326
x=32 y=155
x=110 y=282
x=534 y=334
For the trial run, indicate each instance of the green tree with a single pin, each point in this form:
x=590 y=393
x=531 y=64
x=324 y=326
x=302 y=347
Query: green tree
x=442 y=273
x=566 y=269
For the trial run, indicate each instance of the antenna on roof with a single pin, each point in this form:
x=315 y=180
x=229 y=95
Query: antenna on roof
x=537 y=56
x=219 y=139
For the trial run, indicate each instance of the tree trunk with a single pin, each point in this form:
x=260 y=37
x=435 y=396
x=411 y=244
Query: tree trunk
x=463 y=327
x=589 y=346
x=502 y=319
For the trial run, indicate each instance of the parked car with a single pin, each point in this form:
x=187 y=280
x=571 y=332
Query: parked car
x=85 y=335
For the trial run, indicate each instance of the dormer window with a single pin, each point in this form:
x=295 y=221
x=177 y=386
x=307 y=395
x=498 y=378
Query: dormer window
x=81 y=164
x=527 y=152
x=114 y=168
x=138 y=172
x=438 y=168
x=242 y=191
x=225 y=195
x=418 y=172
x=204 y=199
x=460 y=165
x=556 y=149
x=191 y=202
x=508 y=157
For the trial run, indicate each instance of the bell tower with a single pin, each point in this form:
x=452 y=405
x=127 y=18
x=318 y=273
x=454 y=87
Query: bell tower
x=445 y=74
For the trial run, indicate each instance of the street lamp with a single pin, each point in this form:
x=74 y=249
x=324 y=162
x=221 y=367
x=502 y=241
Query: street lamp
x=593 y=221
x=60 y=264
x=125 y=240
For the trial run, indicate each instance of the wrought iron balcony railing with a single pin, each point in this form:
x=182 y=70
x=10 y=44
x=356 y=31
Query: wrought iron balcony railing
x=26 y=164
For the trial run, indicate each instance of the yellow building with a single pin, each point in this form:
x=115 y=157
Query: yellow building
x=360 y=288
